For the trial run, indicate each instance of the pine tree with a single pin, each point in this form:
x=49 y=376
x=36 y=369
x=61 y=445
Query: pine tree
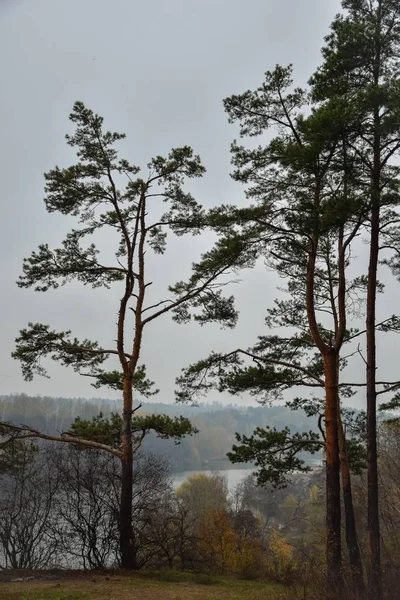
x=310 y=206
x=361 y=65
x=104 y=191
x=306 y=216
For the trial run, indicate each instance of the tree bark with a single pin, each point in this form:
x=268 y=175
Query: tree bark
x=374 y=570
x=374 y=552
x=353 y=548
x=333 y=513
x=127 y=540
x=331 y=372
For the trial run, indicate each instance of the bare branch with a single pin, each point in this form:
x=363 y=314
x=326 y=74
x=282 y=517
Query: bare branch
x=281 y=363
x=156 y=305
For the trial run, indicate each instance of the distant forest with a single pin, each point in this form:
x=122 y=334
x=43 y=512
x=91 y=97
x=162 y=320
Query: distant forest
x=216 y=424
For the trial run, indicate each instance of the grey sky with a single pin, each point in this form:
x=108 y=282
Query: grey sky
x=157 y=70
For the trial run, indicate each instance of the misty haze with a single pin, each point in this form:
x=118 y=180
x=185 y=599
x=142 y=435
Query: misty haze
x=200 y=244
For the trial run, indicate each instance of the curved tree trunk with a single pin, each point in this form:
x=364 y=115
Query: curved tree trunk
x=331 y=372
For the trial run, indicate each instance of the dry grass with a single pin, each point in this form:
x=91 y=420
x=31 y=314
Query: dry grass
x=156 y=586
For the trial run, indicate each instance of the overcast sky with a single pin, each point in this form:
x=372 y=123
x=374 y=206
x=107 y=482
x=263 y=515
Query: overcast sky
x=157 y=70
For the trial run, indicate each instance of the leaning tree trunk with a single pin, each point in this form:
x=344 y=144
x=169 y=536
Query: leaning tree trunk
x=333 y=512
x=127 y=540
x=350 y=519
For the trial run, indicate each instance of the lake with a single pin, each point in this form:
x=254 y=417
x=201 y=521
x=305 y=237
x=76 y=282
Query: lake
x=233 y=476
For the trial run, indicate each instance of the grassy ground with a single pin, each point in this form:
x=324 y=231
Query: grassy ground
x=149 y=586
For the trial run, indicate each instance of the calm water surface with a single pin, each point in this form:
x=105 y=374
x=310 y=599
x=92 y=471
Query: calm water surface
x=233 y=476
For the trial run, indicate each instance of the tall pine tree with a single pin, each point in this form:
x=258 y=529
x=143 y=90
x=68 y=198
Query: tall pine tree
x=362 y=65
x=105 y=192
x=307 y=213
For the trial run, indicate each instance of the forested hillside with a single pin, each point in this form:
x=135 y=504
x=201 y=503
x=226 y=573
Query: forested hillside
x=216 y=424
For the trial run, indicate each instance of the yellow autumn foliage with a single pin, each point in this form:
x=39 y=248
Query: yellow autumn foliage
x=281 y=563
x=222 y=548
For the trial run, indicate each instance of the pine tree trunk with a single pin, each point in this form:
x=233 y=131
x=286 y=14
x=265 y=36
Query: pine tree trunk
x=333 y=512
x=127 y=541
x=374 y=570
x=350 y=519
x=374 y=551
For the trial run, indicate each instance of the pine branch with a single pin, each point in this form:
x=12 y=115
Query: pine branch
x=26 y=432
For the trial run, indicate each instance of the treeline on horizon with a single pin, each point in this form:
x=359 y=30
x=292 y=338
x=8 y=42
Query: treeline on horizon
x=216 y=424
